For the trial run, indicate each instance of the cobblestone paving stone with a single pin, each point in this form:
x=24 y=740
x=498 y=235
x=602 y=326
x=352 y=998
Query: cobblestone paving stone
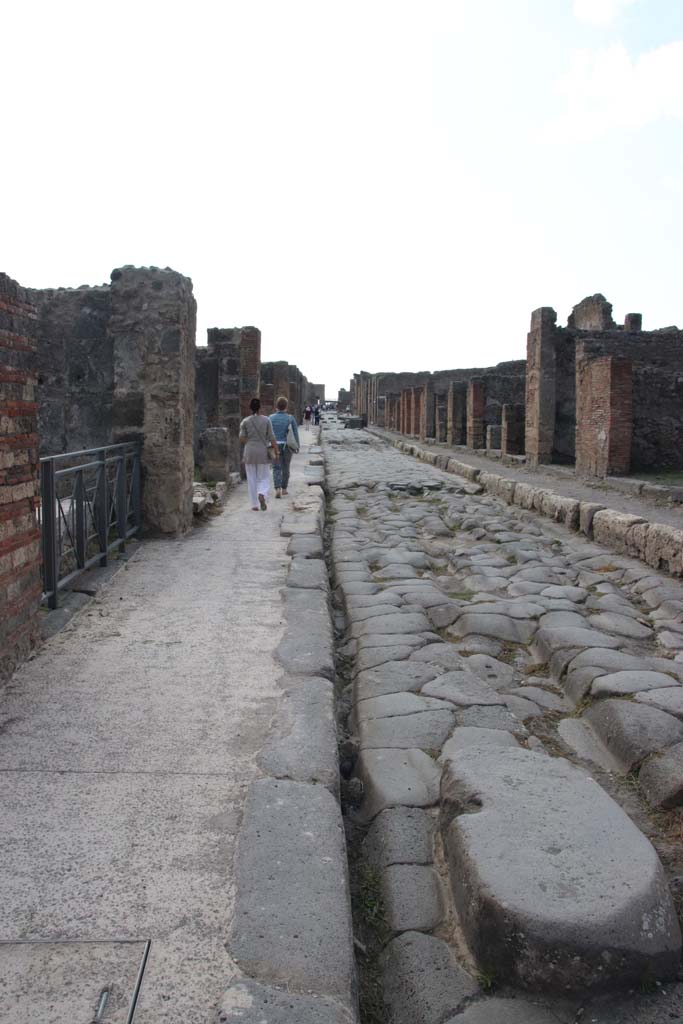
x=468 y=620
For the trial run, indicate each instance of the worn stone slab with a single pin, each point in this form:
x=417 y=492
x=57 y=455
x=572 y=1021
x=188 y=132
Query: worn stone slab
x=298 y=523
x=304 y=741
x=522 y=708
x=669 y=699
x=292 y=921
x=422 y=981
x=308 y=574
x=507 y=1011
x=632 y=731
x=306 y=546
x=307 y=646
x=426 y=730
x=394 y=778
x=249 y=1002
x=622 y=625
x=393 y=677
x=413 y=900
x=461 y=689
x=502 y=627
x=545 y=699
x=578 y=880
x=662 y=777
x=614 y=684
x=479 y=717
x=391 y=705
x=469 y=736
x=400 y=835
x=496 y=674
x=547 y=641
x=444 y=655
x=400 y=623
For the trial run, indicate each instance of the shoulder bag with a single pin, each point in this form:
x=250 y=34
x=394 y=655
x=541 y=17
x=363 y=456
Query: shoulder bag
x=291 y=438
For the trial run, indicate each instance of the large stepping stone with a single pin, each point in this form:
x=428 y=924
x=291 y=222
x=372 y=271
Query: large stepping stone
x=555 y=886
x=632 y=731
x=422 y=982
x=395 y=778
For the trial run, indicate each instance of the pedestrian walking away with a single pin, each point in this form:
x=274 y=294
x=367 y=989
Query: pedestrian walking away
x=287 y=436
x=316 y=414
x=308 y=412
x=260 y=448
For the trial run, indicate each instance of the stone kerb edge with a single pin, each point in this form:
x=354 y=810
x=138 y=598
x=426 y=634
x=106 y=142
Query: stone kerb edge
x=657 y=544
x=292 y=935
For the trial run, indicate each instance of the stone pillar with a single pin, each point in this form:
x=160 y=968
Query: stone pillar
x=512 y=430
x=250 y=367
x=226 y=344
x=540 y=386
x=493 y=432
x=267 y=390
x=456 y=412
x=152 y=326
x=427 y=411
x=281 y=380
x=604 y=415
x=441 y=418
x=476 y=403
x=633 y=322
x=20 y=583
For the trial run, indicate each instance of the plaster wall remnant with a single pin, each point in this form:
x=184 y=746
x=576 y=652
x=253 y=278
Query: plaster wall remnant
x=20 y=583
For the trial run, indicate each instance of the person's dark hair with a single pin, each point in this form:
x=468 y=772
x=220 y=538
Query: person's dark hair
x=255 y=404
x=282 y=403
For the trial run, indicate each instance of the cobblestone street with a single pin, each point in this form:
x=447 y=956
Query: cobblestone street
x=499 y=666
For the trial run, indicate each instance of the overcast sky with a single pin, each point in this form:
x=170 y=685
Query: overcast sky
x=376 y=184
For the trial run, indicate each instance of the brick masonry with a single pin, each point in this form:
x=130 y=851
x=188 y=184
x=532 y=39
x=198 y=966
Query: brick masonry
x=604 y=415
x=20 y=583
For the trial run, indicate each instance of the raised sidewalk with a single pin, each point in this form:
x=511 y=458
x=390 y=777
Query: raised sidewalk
x=168 y=775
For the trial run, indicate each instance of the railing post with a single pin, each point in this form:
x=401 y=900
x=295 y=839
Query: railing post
x=50 y=559
x=102 y=505
x=79 y=498
x=121 y=504
x=136 y=486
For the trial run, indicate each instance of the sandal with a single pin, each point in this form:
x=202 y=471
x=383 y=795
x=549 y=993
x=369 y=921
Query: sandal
x=262 y=502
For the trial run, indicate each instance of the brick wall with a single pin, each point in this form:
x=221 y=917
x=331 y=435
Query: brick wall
x=20 y=584
x=604 y=415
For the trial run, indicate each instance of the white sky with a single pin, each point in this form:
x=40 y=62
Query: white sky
x=376 y=184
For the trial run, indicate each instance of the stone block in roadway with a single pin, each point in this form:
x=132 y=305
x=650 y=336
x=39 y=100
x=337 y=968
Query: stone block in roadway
x=395 y=778
x=555 y=886
x=423 y=984
x=633 y=731
x=292 y=922
x=249 y=1002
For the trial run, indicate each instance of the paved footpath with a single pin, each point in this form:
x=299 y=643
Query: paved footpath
x=133 y=750
x=517 y=714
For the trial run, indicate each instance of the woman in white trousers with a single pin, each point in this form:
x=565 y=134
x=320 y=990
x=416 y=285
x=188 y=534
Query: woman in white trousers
x=256 y=436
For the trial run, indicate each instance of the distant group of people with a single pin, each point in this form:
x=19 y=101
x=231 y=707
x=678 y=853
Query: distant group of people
x=269 y=441
x=312 y=414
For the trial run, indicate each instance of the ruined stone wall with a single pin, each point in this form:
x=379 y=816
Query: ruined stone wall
x=657 y=361
x=20 y=584
x=76 y=368
x=565 y=397
x=152 y=328
x=604 y=414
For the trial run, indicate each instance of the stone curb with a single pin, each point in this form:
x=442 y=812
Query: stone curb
x=657 y=544
x=291 y=935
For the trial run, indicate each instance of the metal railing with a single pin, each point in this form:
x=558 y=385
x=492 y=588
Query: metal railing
x=90 y=504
